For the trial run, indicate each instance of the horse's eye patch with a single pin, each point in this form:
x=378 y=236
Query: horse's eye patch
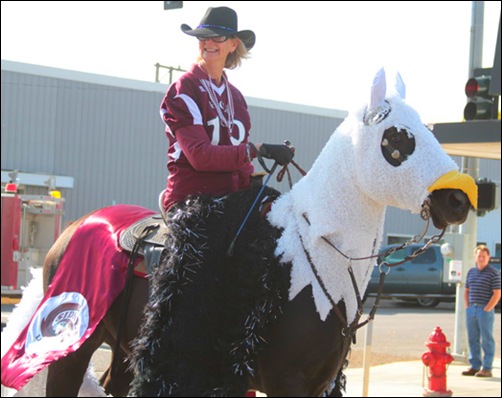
x=397 y=145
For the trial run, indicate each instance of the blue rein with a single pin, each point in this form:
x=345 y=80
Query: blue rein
x=230 y=250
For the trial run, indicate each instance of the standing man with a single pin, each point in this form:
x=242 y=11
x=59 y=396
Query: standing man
x=481 y=295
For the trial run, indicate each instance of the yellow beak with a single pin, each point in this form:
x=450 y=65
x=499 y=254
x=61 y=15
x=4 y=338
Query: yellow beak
x=456 y=180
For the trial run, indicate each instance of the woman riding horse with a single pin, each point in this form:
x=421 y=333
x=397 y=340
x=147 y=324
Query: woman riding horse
x=278 y=315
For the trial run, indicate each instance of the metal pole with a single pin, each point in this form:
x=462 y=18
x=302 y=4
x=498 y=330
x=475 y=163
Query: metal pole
x=469 y=239
x=367 y=357
x=157 y=66
x=476 y=38
x=469 y=166
x=170 y=68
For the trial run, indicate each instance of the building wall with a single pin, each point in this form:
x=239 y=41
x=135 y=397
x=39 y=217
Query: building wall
x=106 y=133
x=307 y=132
x=109 y=138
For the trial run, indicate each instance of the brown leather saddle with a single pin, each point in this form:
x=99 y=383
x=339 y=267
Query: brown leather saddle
x=149 y=235
x=156 y=236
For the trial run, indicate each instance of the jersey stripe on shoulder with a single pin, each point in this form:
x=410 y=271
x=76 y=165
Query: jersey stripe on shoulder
x=192 y=107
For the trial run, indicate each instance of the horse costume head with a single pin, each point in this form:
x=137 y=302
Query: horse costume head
x=381 y=155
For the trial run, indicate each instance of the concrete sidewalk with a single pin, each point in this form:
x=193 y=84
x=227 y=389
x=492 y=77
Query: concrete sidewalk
x=408 y=379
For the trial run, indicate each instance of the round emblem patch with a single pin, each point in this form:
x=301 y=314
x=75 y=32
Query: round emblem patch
x=60 y=322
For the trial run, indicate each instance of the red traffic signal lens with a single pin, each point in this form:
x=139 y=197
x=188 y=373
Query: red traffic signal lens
x=471 y=87
x=477 y=86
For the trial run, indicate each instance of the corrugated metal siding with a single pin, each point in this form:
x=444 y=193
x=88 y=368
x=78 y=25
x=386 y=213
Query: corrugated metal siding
x=110 y=138
x=307 y=133
x=489 y=169
x=28 y=108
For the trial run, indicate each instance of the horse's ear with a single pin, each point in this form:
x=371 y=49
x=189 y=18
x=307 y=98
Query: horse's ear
x=378 y=89
x=378 y=108
x=399 y=86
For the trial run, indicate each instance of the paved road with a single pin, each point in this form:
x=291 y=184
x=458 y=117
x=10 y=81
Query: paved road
x=400 y=331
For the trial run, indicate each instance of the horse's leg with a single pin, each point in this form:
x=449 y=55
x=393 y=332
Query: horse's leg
x=65 y=375
x=118 y=386
x=304 y=354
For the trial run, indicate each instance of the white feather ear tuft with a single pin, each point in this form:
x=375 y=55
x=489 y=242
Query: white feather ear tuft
x=378 y=108
x=378 y=89
x=399 y=86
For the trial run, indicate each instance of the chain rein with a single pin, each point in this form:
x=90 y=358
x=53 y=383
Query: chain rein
x=349 y=330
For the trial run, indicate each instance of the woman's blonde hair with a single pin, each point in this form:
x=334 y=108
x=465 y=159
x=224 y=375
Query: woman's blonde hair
x=235 y=59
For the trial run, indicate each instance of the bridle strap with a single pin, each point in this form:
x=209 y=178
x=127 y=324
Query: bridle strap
x=284 y=169
x=433 y=239
x=323 y=286
x=349 y=330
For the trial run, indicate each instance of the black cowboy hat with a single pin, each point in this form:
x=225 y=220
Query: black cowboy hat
x=220 y=21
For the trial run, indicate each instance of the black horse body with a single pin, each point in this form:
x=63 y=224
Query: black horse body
x=265 y=342
x=209 y=324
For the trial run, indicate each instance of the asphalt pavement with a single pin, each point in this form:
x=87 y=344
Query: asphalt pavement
x=396 y=379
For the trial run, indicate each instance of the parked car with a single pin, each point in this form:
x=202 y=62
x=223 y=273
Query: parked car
x=423 y=280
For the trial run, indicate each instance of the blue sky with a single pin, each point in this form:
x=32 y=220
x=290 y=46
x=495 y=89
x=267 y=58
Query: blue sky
x=313 y=53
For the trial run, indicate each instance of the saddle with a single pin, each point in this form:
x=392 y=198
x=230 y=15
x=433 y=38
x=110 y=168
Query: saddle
x=147 y=237
x=151 y=232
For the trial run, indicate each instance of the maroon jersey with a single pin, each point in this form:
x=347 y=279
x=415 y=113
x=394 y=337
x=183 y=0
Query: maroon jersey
x=204 y=156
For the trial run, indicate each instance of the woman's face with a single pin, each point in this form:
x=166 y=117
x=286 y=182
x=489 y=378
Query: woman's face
x=216 y=49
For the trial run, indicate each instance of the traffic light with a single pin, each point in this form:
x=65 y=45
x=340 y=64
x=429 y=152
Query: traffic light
x=481 y=104
x=487 y=196
x=171 y=5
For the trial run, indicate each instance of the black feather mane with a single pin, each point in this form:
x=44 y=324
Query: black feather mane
x=208 y=313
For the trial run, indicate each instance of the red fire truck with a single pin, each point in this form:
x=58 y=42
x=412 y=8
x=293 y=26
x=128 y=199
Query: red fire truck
x=30 y=225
